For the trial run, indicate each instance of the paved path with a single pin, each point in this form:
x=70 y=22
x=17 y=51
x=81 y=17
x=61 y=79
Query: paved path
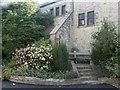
x=8 y=84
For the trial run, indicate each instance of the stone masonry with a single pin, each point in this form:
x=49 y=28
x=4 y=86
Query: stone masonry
x=75 y=36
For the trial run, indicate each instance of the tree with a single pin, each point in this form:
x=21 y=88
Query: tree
x=20 y=26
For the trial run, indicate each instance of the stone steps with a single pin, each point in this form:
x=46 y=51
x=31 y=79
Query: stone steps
x=86 y=73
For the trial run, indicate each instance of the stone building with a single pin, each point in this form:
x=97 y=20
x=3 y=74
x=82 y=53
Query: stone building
x=75 y=22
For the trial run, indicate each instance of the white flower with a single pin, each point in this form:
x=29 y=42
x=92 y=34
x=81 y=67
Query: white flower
x=43 y=58
x=47 y=62
x=41 y=68
x=50 y=57
x=26 y=63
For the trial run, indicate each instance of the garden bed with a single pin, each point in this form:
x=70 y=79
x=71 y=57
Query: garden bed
x=51 y=81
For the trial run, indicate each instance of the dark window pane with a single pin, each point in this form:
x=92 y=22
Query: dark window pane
x=63 y=9
x=91 y=21
x=81 y=19
x=57 y=11
x=90 y=18
x=81 y=16
x=82 y=22
x=91 y=14
x=51 y=11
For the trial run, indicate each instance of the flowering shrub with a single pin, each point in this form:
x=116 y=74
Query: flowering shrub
x=35 y=57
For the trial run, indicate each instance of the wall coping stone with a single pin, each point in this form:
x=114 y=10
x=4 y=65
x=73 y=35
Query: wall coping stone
x=40 y=81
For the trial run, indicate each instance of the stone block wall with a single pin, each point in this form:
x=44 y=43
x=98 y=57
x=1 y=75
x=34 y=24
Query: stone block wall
x=64 y=32
x=82 y=37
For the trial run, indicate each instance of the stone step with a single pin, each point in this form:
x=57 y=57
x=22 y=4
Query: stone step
x=85 y=70
x=90 y=82
x=83 y=67
x=87 y=73
x=84 y=78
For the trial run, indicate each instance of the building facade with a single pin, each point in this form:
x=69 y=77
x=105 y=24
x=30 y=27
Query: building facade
x=75 y=22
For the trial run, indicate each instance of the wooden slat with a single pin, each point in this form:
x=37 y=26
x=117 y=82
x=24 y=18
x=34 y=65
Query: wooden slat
x=78 y=55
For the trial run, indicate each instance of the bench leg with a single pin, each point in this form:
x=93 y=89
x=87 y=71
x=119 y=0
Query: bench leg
x=75 y=61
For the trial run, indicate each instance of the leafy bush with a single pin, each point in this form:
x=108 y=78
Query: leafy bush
x=50 y=74
x=23 y=71
x=71 y=75
x=7 y=73
x=12 y=63
x=104 y=50
x=60 y=57
x=43 y=41
x=35 y=57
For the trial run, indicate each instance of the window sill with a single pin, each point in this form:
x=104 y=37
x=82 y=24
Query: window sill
x=85 y=26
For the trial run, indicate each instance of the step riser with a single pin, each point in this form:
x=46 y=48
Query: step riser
x=83 y=68
x=85 y=71
x=86 y=74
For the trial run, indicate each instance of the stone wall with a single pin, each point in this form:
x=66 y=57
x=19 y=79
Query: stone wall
x=62 y=33
x=82 y=37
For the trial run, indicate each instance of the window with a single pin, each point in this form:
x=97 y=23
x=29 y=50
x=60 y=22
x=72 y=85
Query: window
x=90 y=18
x=63 y=9
x=81 y=19
x=57 y=11
x=51 y=12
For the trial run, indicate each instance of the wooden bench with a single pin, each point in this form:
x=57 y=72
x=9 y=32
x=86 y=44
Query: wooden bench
x=79 y=57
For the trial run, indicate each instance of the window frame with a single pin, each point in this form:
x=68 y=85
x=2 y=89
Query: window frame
x=57 y=12
x=80 y=19
x=89 y=18
x=63 y=9
x=52 y=11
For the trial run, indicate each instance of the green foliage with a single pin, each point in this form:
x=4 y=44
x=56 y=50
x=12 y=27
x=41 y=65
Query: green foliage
x=44 y=19
x=12 y=63
x=104 y=50
x=7 y=73
x=60 y=57
x=70 y=75
x=50 y=74
x=21 y=27
x=23 y=71
x=43 y=41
